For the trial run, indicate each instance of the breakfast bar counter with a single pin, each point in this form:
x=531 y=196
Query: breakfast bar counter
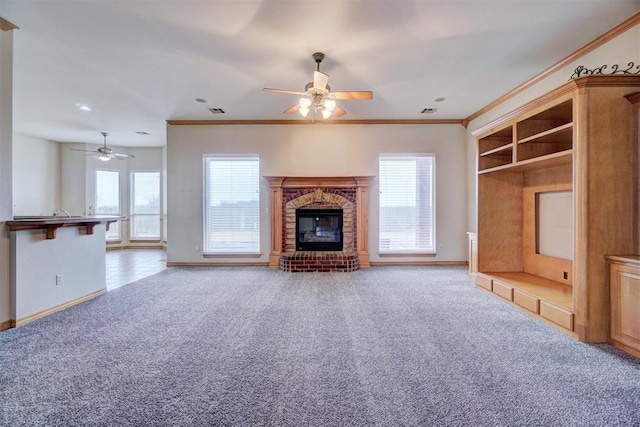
x=50 y=224
x=56 y=262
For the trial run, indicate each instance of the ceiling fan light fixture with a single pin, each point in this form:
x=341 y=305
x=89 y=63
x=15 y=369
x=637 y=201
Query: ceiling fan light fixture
x=304 y=103
x=318 y=96
x=330 y=105
x=104 y=153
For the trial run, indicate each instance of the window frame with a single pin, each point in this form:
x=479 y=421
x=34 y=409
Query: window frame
x=116 y=225
x=431 y=248
x=206 y=250
x=132 y=205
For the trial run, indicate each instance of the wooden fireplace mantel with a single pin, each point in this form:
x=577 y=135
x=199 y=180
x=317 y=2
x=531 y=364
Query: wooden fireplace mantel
x=360 y=183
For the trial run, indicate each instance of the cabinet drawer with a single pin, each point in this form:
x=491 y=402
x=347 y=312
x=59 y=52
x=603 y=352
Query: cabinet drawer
x=527 y=301
x=503 y=290
x=484 y=282
x=557 y=315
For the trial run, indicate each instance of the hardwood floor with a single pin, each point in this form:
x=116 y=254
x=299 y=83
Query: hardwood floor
x=128 y=265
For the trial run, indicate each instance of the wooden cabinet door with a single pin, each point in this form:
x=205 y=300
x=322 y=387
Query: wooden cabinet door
x=625 y=305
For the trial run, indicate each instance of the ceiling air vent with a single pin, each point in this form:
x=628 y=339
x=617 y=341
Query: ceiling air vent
x=429 y=110
x=216 y=110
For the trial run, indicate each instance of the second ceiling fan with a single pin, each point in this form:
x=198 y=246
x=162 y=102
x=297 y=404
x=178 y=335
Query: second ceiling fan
x=318 y=98
x=105 y=153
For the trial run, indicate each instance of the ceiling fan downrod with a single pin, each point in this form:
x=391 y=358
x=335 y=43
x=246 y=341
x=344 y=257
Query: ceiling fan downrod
x=318 y=57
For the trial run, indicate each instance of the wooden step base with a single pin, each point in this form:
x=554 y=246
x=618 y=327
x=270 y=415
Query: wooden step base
x=549 y=301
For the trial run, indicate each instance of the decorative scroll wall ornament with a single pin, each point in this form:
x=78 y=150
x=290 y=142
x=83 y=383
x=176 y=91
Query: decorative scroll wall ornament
x=581 y=70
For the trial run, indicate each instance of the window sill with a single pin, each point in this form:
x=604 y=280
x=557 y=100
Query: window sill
x=407 y=254
x=231 y=255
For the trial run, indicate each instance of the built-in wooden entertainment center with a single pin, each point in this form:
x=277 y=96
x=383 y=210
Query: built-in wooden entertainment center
x=579 y=139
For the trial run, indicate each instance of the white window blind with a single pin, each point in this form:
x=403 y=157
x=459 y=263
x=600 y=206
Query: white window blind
x=407 y=204
x=145 y=205
x=108 y=199
x=231 y=205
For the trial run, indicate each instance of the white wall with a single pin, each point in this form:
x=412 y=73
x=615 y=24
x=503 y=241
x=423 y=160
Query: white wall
x=37 y=261
x=621 y=50
x=313 y=150
x=73 y=178
x=36 y=176
x=6 y=135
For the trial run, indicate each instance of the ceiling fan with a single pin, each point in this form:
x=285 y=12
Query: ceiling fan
x=105 y=153
x=317 y=96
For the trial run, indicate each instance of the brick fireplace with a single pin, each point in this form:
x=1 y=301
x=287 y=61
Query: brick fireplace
x=347 y=193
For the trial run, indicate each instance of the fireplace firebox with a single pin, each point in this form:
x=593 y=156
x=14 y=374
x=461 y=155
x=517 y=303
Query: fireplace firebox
x=318 y=229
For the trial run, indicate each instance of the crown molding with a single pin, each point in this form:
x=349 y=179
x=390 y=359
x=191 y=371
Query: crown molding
x=625 y=25
x=6 y=25
x=317 y=122
x=606 y=80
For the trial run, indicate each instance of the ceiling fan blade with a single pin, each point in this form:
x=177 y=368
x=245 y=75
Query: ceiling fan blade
x=269 y=89
x=120 y=156
x=354 y=94
x=292 y=109
x=320 y=80
x=338 y=112
x=86 y=151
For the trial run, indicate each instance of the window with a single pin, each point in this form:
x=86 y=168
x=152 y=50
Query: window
x=145 y=205
x=164 y=206
x=407 y=204
x=108 y=199
x=231 y=205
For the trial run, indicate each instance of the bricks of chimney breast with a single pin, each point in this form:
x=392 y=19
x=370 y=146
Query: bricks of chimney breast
x=314 y=197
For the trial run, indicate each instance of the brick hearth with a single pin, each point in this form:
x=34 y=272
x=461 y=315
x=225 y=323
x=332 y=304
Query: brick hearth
x=305 y=261
x=346 y=193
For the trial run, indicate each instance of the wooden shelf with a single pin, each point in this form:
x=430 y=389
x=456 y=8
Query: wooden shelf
x=505 y=148
x=548 y=161
x=496 y=140
x=549 y=121
x=561 y=133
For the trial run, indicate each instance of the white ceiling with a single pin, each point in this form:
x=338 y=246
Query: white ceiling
x=138 y=63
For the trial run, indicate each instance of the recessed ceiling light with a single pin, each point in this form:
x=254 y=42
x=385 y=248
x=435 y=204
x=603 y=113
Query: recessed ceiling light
x=439 y=99
x=83 y=107
x=141 y=132
x=201 y=100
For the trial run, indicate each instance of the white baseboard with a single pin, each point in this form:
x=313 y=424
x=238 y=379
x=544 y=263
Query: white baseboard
x=24 y=320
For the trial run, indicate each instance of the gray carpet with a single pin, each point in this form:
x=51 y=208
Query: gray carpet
x=387 y=346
